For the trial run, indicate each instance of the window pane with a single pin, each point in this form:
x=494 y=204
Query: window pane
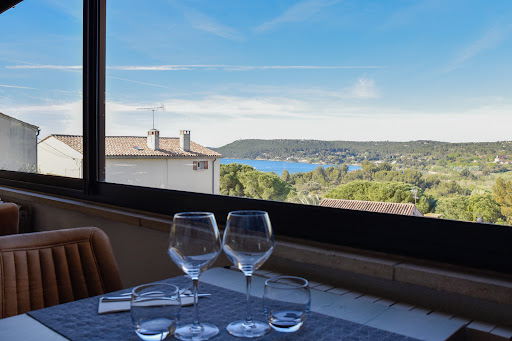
x=40 y=88
x=398 y=104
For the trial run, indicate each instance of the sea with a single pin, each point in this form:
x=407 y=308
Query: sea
x=279 y=166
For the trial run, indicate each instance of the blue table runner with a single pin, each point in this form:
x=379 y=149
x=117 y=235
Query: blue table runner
x=79 y=320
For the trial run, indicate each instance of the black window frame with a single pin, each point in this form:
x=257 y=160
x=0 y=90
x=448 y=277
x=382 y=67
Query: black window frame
x=475 y=245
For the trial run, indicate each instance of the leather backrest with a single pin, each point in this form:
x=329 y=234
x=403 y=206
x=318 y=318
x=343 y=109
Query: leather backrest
x=42 y=269
x=9 y=218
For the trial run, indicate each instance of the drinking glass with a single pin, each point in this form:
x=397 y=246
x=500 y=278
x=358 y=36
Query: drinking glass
x=286 y=300
x=194 y=246
x=248 y=242
x=155 y=310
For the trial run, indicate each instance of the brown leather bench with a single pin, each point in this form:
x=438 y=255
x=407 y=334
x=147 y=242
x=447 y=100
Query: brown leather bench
x=42 y=269
x=9 y=219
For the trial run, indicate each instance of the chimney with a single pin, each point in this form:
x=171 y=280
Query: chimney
x=153 y=139
x=185 y=140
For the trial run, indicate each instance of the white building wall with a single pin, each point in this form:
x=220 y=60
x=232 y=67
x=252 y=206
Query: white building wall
x=18 y=145
x=176 y=173
x=57 y=158
x=137 y=172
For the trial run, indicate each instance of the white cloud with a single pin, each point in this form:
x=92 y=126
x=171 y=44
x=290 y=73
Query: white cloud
x=16 y=86
x=199 y=67
x=237 y=67
x=489 y=40
x=134 y=81
x=208 y=24
x=49 y=67
x=364 y=88
x=56 y=118
x=301 y=11
x=216 y=120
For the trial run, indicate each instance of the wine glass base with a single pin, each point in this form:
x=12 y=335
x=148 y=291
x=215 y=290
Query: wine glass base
x=243 y=329
x=191 y=332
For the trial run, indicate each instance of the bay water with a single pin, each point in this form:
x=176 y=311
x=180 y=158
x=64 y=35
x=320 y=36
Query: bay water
x=279 y=166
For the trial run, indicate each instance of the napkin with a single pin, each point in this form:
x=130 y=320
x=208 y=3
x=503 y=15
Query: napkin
x=105 y=307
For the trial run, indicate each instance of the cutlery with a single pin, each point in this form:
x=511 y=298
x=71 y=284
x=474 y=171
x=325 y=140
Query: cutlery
x=182 y=291
x=128 y=298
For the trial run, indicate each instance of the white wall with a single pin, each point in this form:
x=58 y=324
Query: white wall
x=57 y=158
x=18 y=151
x=174 y=173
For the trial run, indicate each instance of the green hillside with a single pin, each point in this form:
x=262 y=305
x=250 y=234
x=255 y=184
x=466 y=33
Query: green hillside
x=411 y=153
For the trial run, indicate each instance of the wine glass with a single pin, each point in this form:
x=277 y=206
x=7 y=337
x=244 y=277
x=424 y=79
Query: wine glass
x=248 y=242
x=194 y=246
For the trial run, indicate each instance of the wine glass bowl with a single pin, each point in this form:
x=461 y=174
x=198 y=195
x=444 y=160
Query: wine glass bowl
x=195 y=242
x=194 y=246
x=248 y=242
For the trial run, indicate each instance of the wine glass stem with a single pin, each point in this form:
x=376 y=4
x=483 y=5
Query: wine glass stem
x=195 y=283
x=249 y=310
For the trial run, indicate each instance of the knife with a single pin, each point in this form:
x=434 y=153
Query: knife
x=129 y=298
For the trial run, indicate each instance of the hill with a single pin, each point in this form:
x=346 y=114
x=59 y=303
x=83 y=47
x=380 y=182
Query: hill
x=411 y=153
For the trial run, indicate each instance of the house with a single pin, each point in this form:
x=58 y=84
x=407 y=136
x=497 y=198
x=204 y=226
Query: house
x=502 y=159
x=18 y=145
x=373 y=206
x=152 y=161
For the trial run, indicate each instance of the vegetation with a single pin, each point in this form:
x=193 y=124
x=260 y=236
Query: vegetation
x=412 y=154
x=245 y=181
x=445 y=179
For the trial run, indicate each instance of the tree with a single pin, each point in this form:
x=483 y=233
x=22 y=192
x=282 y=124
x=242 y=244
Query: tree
x=502 y=192
x=344 y=169
x=245 y=181
x=485 y=206
x=285 y=176
x=261 y=185
x=470 y=208
x=466 y=174
x=454 y=208
x=388 y=191
x=427 y=204
x=449 y=188
x=229 y=179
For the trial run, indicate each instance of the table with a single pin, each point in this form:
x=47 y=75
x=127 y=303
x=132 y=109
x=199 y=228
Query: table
x=385 y=318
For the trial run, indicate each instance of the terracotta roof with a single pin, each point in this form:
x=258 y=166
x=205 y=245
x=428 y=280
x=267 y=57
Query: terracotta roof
x=123 y=146
x=372 y=206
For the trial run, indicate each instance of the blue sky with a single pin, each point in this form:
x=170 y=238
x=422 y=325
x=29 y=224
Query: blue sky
x=323 y=69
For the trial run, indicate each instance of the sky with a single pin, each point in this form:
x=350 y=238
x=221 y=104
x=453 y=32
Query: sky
x=309 y=69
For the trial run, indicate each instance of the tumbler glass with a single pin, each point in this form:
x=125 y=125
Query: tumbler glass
x=155 y=310
x=287 y=300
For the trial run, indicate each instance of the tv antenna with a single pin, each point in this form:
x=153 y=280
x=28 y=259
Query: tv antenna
x=161 y=107
x=414 y=192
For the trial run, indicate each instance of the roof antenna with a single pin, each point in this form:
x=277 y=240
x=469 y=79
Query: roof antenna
x=161 y=107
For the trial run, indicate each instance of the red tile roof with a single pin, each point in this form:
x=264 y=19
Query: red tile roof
x=125 y=146
x=372 y=206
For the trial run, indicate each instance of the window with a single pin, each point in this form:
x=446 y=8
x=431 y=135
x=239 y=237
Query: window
x=476 y=245
x=40 y=95
x=309 y=112
x=198 y=165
